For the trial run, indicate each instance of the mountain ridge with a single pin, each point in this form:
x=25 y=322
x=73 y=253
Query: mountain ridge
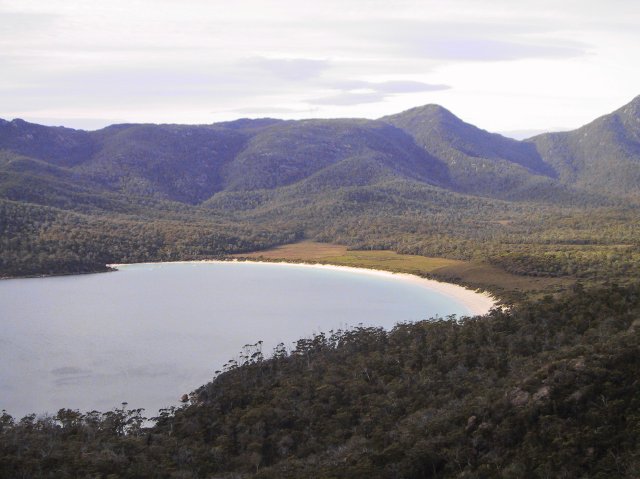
x=601 y=155
x=192 y=163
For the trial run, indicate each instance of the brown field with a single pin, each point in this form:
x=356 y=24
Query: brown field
x=503 y=284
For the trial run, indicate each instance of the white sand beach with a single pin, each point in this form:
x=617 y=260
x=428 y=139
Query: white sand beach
x=478 y=303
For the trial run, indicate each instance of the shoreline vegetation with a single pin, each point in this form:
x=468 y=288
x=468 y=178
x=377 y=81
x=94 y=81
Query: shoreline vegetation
x=506 y=287
x=478 y=303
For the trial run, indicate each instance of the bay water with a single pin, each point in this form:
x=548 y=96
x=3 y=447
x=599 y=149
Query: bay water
x=149 y=333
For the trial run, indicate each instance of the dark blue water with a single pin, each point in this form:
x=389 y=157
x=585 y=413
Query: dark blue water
x=149 y=333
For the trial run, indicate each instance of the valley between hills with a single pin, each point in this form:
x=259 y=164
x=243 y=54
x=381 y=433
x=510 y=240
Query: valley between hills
x=548 y=387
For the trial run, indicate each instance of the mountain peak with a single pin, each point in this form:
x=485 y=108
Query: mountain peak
x=18 y=122
x=429 y=111
x=430 y=115
x=431 y=108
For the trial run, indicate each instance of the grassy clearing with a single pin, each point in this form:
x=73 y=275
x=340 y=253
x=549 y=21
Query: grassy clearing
x=507 y=286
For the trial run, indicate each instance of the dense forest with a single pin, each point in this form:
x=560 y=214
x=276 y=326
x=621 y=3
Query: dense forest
x=547 y=389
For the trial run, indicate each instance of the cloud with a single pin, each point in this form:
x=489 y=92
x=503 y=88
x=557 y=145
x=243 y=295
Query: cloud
x=19 y=23
x=269 y=110
x=466 y=41
x=294 y=69
x=157 y=60
x=484 y=49
x=192 y=83
x=360 y=92
x=348 y=98
x=394 y=87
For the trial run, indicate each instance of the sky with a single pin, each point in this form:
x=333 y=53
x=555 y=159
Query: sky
x=513 y=67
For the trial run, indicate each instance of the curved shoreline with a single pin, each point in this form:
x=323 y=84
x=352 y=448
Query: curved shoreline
x=477 y=303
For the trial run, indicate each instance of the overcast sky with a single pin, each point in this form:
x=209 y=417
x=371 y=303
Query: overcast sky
x=502 y=65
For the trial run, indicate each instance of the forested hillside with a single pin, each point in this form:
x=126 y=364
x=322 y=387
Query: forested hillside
x=602 y=156
x=480 y=162
x=190 y=164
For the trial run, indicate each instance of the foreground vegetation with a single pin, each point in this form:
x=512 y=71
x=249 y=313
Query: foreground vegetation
x=548 y=389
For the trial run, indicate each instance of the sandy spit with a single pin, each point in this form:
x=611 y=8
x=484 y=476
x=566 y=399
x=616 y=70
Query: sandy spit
x=478 y=303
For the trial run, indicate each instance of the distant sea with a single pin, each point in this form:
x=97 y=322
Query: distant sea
x=149 y=333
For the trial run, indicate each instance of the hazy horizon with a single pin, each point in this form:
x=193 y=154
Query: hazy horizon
x=87 y=125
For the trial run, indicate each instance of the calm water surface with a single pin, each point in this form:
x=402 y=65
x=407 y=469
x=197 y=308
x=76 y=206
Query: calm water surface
x=149 y=333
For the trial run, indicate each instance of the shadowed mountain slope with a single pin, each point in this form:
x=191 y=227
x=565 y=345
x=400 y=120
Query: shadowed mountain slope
x=603 y=156
x=480 y=162
x=58 y=145
x=196 y=164
x=175 y=162
x=190 y=164
x=293 y=151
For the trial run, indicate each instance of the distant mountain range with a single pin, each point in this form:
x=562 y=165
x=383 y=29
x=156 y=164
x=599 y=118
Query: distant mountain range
x=428 y=145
